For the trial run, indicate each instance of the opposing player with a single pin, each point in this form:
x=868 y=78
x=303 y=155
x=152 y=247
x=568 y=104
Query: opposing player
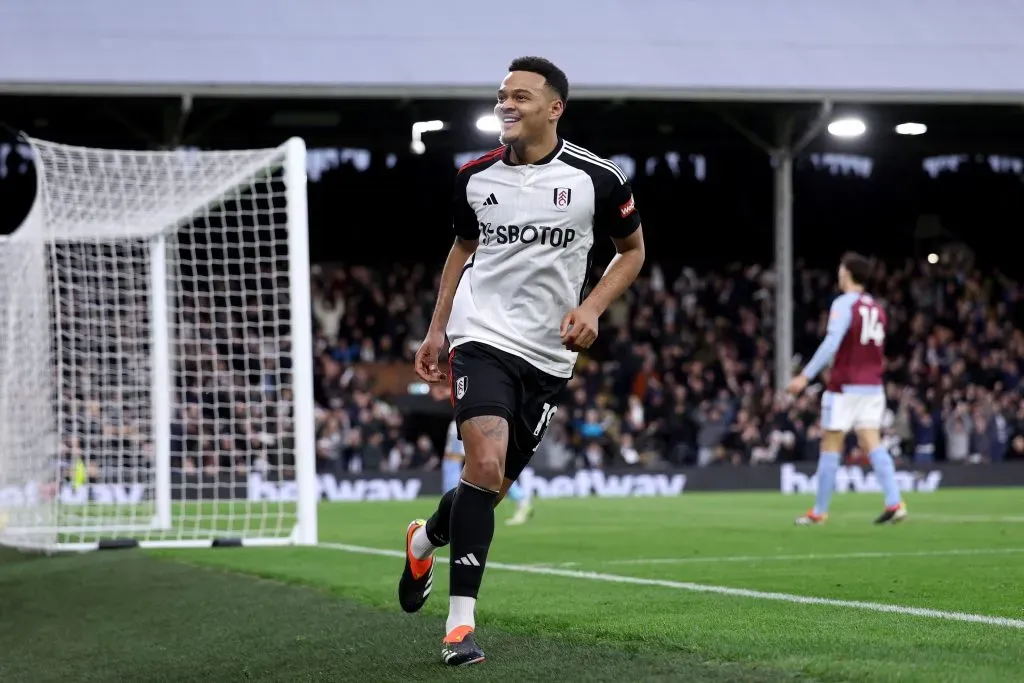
x=854 y=397
x=451 y=464
x=511 y=301
x=524 y=505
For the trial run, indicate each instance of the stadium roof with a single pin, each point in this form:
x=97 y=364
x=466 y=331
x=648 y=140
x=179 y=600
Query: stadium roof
x=147 y=122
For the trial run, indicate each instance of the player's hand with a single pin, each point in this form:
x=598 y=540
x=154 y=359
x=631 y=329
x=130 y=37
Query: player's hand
x=579 y=329
x=796 y=385
x=426 y=359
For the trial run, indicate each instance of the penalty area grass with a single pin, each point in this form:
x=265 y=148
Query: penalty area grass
x=125 y=616
x=325 y=614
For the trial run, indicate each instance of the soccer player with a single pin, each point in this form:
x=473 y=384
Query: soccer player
x=854 y=397
x=511 y=302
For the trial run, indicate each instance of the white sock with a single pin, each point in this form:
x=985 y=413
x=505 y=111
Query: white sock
x=460 y=612
x=422 y=548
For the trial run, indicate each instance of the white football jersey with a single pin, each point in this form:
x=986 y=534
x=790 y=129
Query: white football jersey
x=537 y=225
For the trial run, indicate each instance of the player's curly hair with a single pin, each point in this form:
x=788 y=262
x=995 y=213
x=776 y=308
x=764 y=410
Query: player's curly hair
x=556 y=78
x=859 y=267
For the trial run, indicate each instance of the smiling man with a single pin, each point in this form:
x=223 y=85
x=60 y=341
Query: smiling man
x=527 y=216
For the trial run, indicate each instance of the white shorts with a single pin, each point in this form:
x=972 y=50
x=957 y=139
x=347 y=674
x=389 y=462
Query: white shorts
x=843 y=412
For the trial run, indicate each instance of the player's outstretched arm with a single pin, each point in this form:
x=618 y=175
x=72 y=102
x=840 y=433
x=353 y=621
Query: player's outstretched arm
x=615 y=215
x=579 y=327
x=426 y=357
x=467 y=236
x=621 y=272
x=458 y=255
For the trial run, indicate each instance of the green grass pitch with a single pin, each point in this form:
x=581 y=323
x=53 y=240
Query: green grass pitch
x=554 y=605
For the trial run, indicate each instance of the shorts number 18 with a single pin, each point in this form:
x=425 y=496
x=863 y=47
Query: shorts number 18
x=545 y=419
x=871 y=329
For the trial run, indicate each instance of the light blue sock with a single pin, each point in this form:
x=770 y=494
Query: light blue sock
x=516 y=493
x=885 y=472
x=828 y=465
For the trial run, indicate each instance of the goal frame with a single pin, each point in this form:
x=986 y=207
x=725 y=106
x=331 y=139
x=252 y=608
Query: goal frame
x=292 y=156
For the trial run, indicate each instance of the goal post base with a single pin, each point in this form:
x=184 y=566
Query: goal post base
x=131 y=543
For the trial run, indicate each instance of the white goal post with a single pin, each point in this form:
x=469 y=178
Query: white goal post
x=156 y=380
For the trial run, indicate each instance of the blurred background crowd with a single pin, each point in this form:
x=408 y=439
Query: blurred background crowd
x=682 y=370
x=682 y=373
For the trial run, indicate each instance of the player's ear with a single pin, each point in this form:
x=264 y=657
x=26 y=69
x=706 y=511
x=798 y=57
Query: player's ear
x=556 y=109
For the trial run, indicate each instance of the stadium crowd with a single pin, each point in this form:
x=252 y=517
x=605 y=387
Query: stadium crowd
x=682 y=370
x=681 y=374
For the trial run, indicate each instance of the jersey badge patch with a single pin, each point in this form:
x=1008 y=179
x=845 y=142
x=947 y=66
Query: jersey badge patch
x=562 y=197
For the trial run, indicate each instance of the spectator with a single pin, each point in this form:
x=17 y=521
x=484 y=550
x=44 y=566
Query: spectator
x=681 y=373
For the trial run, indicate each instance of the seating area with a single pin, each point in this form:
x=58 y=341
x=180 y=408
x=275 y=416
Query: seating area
x=682 y=371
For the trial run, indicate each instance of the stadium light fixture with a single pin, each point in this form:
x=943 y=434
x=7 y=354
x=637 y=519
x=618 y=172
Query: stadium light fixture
x=933 y=258
x=910 y=128
x=418 y=129
x=847 y=128
x=488 y=124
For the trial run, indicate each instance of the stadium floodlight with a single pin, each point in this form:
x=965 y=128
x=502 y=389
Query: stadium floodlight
x=910 y=128
x=847 y=128
x=156 y=380
x=488 y=124
x=933 y=258
x=418 y=129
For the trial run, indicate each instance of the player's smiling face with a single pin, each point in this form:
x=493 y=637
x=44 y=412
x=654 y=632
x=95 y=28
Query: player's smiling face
x=526 y=107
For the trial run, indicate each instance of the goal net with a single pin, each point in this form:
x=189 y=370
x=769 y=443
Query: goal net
x=156 y=352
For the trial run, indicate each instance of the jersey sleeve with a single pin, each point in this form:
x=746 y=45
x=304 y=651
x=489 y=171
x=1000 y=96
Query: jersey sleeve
x=839 y=319
x=464 y=220
x=615 y=212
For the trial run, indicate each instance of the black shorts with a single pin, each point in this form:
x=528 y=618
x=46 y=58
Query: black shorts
x=488 y=381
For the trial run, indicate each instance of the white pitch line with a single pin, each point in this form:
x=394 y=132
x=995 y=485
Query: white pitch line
x=815 y=556
x=720 y=590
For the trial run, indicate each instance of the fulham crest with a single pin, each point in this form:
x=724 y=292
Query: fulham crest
x=562 y=197
x=460 y=387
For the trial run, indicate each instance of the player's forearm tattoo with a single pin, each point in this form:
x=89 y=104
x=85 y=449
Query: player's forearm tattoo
x=492 y=427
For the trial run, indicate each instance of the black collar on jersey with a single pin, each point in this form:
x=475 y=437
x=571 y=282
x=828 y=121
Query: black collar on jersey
x=507 y=155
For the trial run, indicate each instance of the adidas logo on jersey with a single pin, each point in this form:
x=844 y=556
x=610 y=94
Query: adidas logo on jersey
x=491 y=200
